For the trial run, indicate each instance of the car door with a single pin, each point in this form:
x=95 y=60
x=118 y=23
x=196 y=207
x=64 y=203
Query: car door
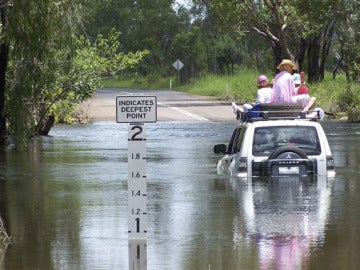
x=232 y=149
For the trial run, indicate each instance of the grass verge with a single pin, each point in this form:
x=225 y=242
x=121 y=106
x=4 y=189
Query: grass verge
x=332 y=94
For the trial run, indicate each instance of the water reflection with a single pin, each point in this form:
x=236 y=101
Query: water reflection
x=285 y=217
x=137 y=254
x=63 y=199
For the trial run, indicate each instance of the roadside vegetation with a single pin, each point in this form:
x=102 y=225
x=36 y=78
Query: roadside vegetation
x=55 y=54
x=336 y=97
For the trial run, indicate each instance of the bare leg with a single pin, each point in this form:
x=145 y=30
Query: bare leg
x=311 y=104
x=235 y=107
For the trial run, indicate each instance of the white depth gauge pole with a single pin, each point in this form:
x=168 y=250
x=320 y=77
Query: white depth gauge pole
x=137 y=110
x=137 y=182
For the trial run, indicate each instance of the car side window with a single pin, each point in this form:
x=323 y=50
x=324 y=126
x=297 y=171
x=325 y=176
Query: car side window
x=236 y=140
x=233 y=141
x=240 y=139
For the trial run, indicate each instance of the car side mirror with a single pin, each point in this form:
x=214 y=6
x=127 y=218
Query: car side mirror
x=220 y=149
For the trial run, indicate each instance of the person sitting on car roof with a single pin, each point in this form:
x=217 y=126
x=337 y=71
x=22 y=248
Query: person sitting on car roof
x=284 y=86
x=284 y=90
x=263 y=95
x=303 y=97
x=264 y=92
x=302 y=94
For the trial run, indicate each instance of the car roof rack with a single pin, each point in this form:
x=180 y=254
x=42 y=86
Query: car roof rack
x=253 y=116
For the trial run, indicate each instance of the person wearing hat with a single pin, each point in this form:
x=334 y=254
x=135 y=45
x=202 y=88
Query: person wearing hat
x=263 y=95
x=264 y=92
x=300 y=87
x=302 y=96
x=302 y=93
x=284 y=86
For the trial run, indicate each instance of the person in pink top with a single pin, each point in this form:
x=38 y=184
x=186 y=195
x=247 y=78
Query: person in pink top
x=284 y=86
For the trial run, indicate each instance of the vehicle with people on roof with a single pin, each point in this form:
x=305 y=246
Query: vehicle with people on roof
x=277 y=140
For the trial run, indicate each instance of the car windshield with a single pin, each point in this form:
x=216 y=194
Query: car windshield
x=267 y=139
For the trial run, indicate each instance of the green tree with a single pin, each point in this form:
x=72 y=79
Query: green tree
x=92 y=62
x=347 y=48
x=47 y=65
x=298 y=30
x=226 y=53
x=144 y=24
x=189 y=48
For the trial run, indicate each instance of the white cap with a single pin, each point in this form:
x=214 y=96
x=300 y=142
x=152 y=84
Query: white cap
x=297 y=78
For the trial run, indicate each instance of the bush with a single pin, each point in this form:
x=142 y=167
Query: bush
x=354 y=114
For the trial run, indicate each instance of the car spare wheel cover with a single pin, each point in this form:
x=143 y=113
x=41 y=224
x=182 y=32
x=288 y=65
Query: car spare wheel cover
x=288 y=149
x=280 y=106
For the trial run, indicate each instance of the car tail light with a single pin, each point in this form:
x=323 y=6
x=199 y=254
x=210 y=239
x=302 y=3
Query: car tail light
x=242 y=167
x=330 y=165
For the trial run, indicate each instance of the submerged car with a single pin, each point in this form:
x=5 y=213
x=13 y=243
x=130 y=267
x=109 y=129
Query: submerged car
x=276 y=144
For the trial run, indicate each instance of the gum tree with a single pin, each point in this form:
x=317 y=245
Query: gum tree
x=298 y=30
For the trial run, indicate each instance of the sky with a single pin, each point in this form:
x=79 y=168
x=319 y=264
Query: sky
x=186 y=3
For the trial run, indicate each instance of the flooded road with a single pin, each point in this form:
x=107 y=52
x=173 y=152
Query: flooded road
x=65 y=203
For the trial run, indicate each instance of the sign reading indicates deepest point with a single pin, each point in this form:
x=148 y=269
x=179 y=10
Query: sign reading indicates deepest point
x=136 y=109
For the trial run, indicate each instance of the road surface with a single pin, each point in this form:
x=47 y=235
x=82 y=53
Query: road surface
x=171 y=106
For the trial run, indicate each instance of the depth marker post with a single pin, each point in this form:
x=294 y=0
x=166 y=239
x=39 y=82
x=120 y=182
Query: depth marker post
x=137 y=110
x=137 y=182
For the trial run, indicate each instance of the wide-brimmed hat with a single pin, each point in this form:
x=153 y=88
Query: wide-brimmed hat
x=263 y=79
x=287 y=62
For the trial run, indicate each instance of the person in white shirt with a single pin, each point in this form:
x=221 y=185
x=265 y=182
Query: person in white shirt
x=264 y=94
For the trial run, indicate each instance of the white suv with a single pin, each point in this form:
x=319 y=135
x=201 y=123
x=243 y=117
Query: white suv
x=276 y=146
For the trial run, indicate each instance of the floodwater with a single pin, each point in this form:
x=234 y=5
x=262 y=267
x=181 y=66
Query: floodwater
x=65 y=203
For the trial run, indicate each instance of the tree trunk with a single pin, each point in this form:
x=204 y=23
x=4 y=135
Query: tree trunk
x=46 y=125
x=327 y=41
x=313 y=58
x=4 y=58
x=300 y=56
x=4 y=53
x=278 y=53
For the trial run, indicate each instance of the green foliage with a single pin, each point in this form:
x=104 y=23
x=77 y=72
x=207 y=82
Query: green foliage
x=36 y=33
x=91 y=63
x=240 y=87
x=333 y=96
x=146 y=25
x=348 y=100
x=265 y=31
x=141 y=82
x=226 y=49
x=354 y=114
x=299 y=30
x=189 y=48
x=51 y=68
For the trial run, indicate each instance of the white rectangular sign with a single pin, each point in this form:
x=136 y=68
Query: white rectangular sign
x=136 y=109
